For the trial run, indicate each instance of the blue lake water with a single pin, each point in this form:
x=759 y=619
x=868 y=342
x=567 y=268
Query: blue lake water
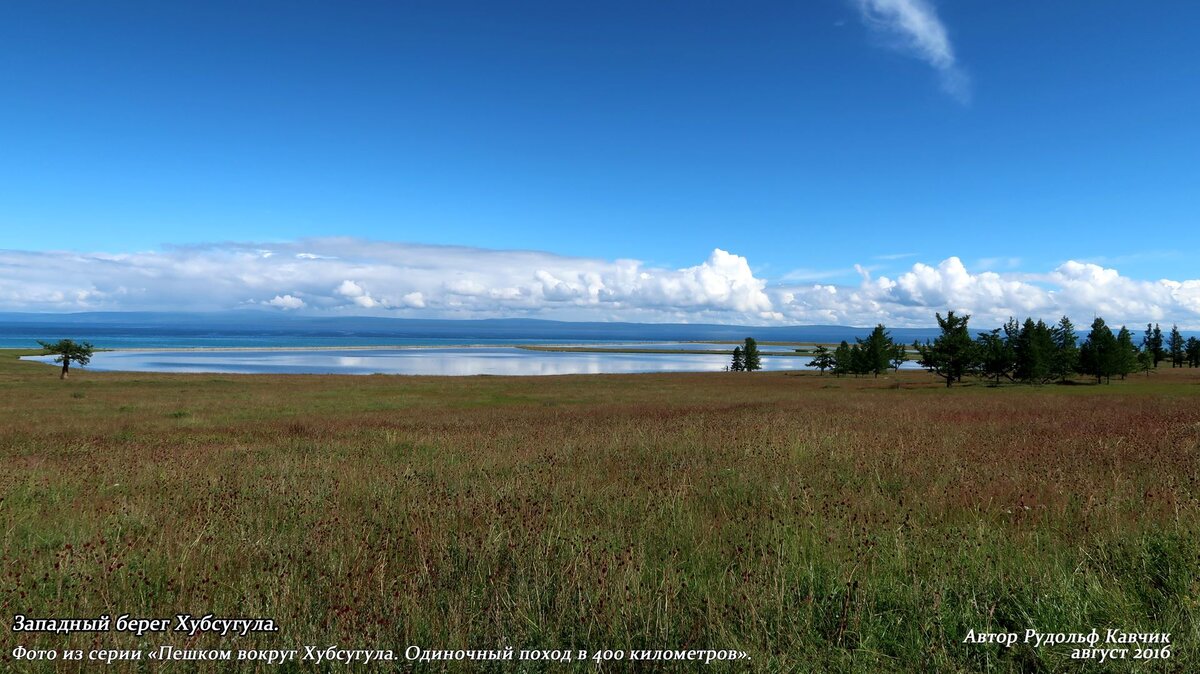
x=685 y=346
x=489 y=360
x=146 y=330
x=155 y=339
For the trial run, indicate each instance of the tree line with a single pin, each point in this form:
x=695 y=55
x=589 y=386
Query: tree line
x=1036 y=353
x=1029 y=352
x=874 y=355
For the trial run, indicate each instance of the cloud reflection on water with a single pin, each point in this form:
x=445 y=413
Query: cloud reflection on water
x=433 y=361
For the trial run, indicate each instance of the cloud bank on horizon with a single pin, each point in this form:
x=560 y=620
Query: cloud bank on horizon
x=349 y=276
x=913 y=27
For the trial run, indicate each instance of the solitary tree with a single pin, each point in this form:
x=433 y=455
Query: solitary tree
x=750 y=352
x=953 y=353
x=68 y=350
x=739 y=361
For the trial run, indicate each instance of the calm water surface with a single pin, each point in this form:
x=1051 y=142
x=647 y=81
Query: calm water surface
x=421 y=361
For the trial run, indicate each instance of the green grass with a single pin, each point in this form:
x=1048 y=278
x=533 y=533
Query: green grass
x=816 y=523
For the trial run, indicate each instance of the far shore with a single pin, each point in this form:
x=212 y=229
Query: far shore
x=374 y=347
x=598 y=347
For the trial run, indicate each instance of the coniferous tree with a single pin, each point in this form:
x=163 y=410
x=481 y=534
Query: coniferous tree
x=842 y=359
x=1012 y=332
x=996 y=359
x=822 y=358
x=1088 y=360
x=1034 y=353
x=1145 y=361
x=1125 y=361
x=899 y=355
x=68 y=351
x=1156 y=344
x=739 y=361
x=1097 y=356
x=1026 y=359
x=1066 y=357
x=952 y=354
x=750 y=353
x=1175 y=347
x=1192 y=351
x=1043 y=339
x=858 y=361
x=875 y=351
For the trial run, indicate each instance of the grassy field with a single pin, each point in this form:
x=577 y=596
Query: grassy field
x=817 y=524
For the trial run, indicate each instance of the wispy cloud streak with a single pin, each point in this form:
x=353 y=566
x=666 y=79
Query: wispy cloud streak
x=913 y=27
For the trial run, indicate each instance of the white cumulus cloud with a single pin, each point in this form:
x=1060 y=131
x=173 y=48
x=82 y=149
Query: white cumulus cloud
x=350 y=289
x=352 y=276
x=286 y=302
x=1075 y=289
x=355 y=276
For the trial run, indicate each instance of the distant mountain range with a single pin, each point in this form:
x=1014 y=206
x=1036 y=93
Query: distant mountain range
x=260 y=324
x=249 y=327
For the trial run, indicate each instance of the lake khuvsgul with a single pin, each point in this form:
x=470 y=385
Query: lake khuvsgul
x=457 y=361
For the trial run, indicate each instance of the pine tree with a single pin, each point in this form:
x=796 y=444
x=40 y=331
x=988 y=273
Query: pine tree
x=953 y=354
x=822 y=359
x=1034 y=353
x=842 y=359
x=996 y=358
x=1097 y=356
x=1145 y=361
x=1066 y=357
x=1192 y=350
x=1012 y=330
x=750 y=353
x=876 y=351
x=1175 y=347
x=858 y=361
x=1125 y=361
x=1156 y=344
x=67 y=351
x=739 y=361
x=899 y=355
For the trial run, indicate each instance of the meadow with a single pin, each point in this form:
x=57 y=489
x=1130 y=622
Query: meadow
x=815 y=523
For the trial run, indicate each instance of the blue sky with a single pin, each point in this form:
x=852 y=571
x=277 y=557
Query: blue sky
x=804 y=138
